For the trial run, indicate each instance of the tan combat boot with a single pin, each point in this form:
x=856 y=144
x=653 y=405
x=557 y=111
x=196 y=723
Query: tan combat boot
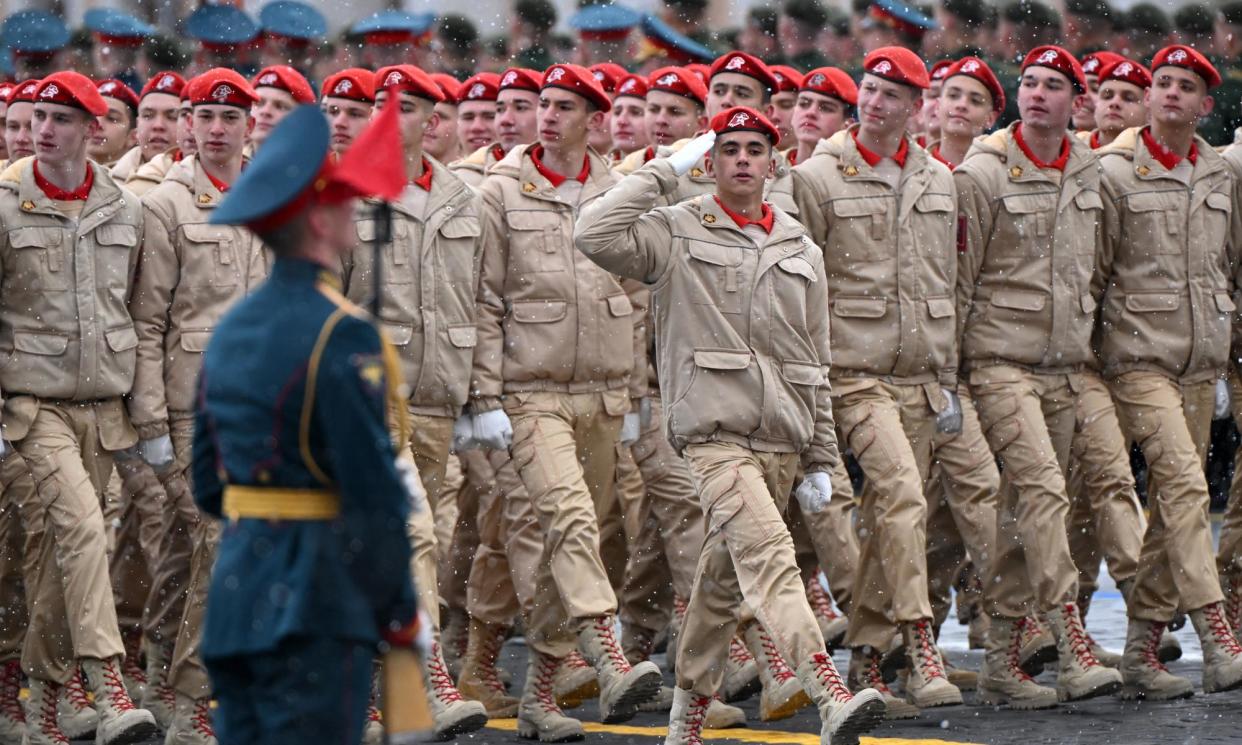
x=1222 y=655
x=539 y=718
x=576 y=681
x=687 y=717
x=637 y=643
x=1142 y=673
x=1079 y=674
x=42 y=727
x=78 y=718
x=1106 y=657
x=661 y=702
x=680 y=605
x=741 y=679
x=119 y=720
x=783 y=695
x=965 y=680
x=1231 y=585
x=192 y=724
x=622 y=688
x=977 y=632
x=135 y=676
x=453 y=715
x=864 y=673
x=1002 y=682
x=478 y=680
x=832 y=624
x=160 y=699
x=1038 y=645
x=454 y=638
x=723 y=716
x=12 y=716
x=927 y=685
x=845 y=717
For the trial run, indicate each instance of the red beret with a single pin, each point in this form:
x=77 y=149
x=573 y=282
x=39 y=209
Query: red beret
x=164 y=82
x=701 y=71
x=449 y=86
x=577 y=79
x=1127 y=71
x=608 y=74
x=24 y=91
x=522 y=79
x=481 y=87
x=1093 y=63
x=678 y=81
x=634 y=86
x=744 y=118
x=408 y=79
x=113 y=88
x=743 y=64
x=70 y=88
x=223 y=86
x=787 y=79
x=831 y=81
x=5 y=90
x=1056 y=58
x=353 y=83
x=898 y=65
x=973 y=67
x=1183 y=56
x=940 y=70
x=286 y=79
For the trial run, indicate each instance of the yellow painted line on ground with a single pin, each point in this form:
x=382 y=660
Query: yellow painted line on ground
x=774 y=737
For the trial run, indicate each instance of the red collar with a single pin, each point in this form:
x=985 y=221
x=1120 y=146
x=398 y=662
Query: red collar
x=935 y=153
x=742 y=221
x=873 y=159
x=536 y=152
x=1058 y=164
x=177 y=155
x=648 y=154
x=498 y=152
x=1095 y=139
x=922 y=141
x=223 y=187
x=57 y=194
x=424 y=181
x=792 y=157
x=1163 y=155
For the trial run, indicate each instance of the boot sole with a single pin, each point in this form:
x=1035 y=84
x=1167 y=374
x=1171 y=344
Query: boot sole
x=1104 y=689
x=1217 y=688
x=992 y=698
x=945 y=699
x=642 y=690
x=791 y=706
x=1034 y=665
x=531 y=732
x=866 y=718
x=1136 y=693
x=462 y=726
x=140 y=732
x=896 y=710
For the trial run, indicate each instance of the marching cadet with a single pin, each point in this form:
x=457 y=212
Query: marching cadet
x=784 y=98
x=556 y=352
x=347 y=102
x=1029 y=211
x=898 y=388
x=116 y=128
x=476 y=113
x=1084 y=116
x=1172 y=232
x=280 y=89
x=71 y=238
x=629 y=109
x=426 y=302
x=1120 y=101
x=150 y=174
x=292 y=448
x=190 y=272
x=825 y=104
x=18 y=129
x=440 y=141
x=608 y=74
x=159 y=104
x=743 y=457
x=517 y=102
x=675 y=101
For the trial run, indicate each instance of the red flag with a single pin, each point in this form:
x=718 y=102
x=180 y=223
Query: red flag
x=374 y=165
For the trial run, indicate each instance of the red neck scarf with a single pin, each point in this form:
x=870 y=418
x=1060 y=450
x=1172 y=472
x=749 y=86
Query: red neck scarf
x=1163 y=155
x=742 y=221
x=223 y=187
x=935 y=153
x=57 y=194
x=424 y=181
x=1058 y=164
x=1095 y=140
x=498 y=152
x=536 y=155
x=873 y=159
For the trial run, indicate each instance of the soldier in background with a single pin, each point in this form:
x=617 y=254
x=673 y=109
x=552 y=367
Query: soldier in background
x=801 y=22
x=347 y=101
x=530 y=33
x=116 y=128
x=1149 y=28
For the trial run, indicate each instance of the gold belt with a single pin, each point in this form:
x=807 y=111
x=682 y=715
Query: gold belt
x=265 y=503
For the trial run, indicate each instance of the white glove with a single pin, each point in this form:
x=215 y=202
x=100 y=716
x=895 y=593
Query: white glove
x=1223 y=401
x=413 y=484
x=463 y=434
x=630 y=428
x=156 y=452
x=493 y=430
x=949 y=421
x=815 y=492
x=684 y=159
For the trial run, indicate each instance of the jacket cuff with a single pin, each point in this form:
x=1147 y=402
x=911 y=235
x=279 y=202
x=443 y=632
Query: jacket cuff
x=151 y=430
x=484 y=404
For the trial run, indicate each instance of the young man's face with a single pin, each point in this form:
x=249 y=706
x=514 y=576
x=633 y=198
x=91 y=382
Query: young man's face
x=599 y=133
x=440 y=141
x=185 y=130
x=1178 y=97
x=220 y=131
x=782 y=113
x=476 y=124
x=729 y=89
x=517 y=118
x=671 y=117
x=629 y=132
x=274 y=104
x=61 y=133
x=1120 y=105
x=965 y=107
x=564 y=118
x=415 y=116
x=818 y=117
x=1084 y=115
x=18 y=134
x=930 y=113
x=157 y=123
x=346 y=120
x=884 y=107
x=1046 y=98
x=115 y=135
x=740 y=162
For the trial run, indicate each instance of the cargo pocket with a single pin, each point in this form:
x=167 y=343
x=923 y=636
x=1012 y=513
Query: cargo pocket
x=210 y=258
x=716 y=269
x=39 y=258
x=861 y=229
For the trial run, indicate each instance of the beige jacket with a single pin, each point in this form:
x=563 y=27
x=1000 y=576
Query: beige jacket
x=549 y=319
x=890 y=259
x=1024 y=294
x=741 y=331
x=1170 y=254
x=65 y=331
x=189 y=275
x=150 y=174
x=430 y=280
x=472 y=168
x=124 y=168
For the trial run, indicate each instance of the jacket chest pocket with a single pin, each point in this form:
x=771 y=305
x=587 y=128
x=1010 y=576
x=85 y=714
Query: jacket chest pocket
x=116 y=245
x=457 y=242
x=43 y=258
x=212 y=256
x=399 y=258
x=795 y=277
x=718 y=272
x=537 y=241
x=1024 y=224
x=860 y=230
x=1157 y=221
x=1213 y=221
x=936 y=230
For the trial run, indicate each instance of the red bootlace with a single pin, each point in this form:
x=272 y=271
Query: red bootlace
x=696 y=716
x=1151 y=648
x=575 y=661
x=1221 y=632
x=1015 y=649
x=545 y=682
x=441 y=681
x=49 y=727
x=1080 y=643
x=75 y=692
x=738 y=653
x=820 y=603
x=776 y=664
x=492 y=644
x=603 y=625
x=872 y=677
x=10 y=691
x=827 y=674
x=202 y=718
x=133 y=652
x=115 y=683
x=167 y=696
x=928 y=659
x=1233 y=605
